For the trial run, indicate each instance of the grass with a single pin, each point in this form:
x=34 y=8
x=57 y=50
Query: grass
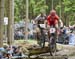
x=29 y=41
x=26 y=41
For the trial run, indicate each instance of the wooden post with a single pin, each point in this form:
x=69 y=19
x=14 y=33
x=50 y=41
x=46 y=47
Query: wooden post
x=1 y=21
x=10 y=22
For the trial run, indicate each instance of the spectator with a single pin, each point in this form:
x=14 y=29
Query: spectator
x=17 y=52
x=72 y=39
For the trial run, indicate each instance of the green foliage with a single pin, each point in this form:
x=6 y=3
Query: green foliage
x=34 y=8
x=19 y=10
x=37 y=6
x=68 y=8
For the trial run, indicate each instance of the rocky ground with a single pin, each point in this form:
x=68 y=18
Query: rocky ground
x=63 y=49
x=72 y=57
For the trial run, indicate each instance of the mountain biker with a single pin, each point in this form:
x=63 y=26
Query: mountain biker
x=40 y=19
x=53 y=20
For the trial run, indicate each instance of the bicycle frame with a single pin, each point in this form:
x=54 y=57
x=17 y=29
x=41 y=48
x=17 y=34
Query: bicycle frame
x=52 y=40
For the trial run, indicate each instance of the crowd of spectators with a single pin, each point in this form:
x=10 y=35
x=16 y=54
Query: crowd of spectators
x=67 y=35
x=8 y=52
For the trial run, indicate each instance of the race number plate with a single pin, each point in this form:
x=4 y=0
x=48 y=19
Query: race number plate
x=52 y=30
x=42 y=25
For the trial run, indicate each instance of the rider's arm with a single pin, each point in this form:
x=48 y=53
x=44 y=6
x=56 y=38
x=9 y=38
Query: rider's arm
x=56 y=21
x=61 y=23
x=36 y=19
x=45 y=22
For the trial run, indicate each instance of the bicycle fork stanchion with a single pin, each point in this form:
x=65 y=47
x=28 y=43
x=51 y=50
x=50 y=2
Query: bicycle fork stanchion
x=56 y=37
x=55 y=47
x=50 y=47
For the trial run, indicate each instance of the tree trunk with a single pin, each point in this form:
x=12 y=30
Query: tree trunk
x=26 y=20
x=6 y=8
x=1 y=21
x=10 y=22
